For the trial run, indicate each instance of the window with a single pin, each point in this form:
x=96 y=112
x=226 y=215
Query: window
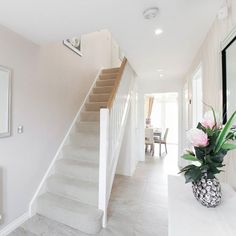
x=197 y=103
x=165 y=114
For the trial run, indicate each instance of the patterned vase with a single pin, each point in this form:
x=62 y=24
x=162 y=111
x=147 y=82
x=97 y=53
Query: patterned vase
x=207 y=191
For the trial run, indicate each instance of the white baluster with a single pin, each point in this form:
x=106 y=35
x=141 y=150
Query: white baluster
x=103 y=171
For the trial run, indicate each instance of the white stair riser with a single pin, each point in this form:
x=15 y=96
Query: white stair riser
x=88 y=127
x=83 y=154
x=73 y=219
x=84 y=140
x=90 y=116
x=79 y=172
x=78 y=193
x=87 y=158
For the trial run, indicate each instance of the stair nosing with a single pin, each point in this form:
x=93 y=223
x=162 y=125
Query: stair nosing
x=94 y=102
x=88 y=122
x=105 y=80
x=105 y=86
x=76 y=147
x=93 y=134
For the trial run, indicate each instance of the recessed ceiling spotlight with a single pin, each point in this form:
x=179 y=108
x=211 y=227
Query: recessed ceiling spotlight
x=158 y=31
x=150 y=13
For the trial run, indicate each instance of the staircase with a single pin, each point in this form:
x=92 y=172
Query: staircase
x=71 y=195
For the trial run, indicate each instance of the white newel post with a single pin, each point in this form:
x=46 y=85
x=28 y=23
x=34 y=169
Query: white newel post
x=103 y=162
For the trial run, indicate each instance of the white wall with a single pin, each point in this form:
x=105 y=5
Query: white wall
x=48 y=86
x=115 y=54
x=147 y=86
x=210 y=56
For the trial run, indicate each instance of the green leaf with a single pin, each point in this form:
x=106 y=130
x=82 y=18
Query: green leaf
x=193 y=174
x=224 y=132
x=190 y=152
x=219 y=157
x=214 y=170
x=201 y=127
x=200 y=152
x=186 y=168
x=231 y=136
x=204 y=168
x=209 y=132
x=189 y=157
x=228 y=146
x=210 y=175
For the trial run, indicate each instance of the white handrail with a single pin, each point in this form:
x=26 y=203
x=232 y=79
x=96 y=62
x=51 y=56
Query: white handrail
x=112 y=127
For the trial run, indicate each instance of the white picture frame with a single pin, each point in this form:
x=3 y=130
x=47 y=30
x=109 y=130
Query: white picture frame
x=5 y=102
x=75 y=47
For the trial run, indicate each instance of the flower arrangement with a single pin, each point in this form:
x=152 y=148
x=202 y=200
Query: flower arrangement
x=211 y=142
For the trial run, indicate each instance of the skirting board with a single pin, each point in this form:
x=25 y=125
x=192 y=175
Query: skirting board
x=14 y=224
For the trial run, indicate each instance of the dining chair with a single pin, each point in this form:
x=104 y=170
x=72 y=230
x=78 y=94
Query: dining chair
x=157 y=133
x=162 y=141
x=149 y=140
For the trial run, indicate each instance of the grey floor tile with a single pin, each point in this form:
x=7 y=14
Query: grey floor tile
x=21 y=232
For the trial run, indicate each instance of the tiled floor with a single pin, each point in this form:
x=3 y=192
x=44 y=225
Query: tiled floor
x=138 y=205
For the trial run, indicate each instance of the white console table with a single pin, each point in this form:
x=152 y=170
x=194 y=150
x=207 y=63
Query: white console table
x=187 y=217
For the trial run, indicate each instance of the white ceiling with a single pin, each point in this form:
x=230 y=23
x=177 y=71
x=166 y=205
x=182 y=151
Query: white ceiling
x=185 y=24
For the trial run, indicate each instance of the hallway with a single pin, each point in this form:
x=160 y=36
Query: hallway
x=138 y=204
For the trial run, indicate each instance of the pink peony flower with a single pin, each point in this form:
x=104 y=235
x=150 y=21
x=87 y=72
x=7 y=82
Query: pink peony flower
x=209 y=121
x=197 y=138
x=209 y=124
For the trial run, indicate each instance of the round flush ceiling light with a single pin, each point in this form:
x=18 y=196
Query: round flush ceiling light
x=150 y=13
x=158 y=31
